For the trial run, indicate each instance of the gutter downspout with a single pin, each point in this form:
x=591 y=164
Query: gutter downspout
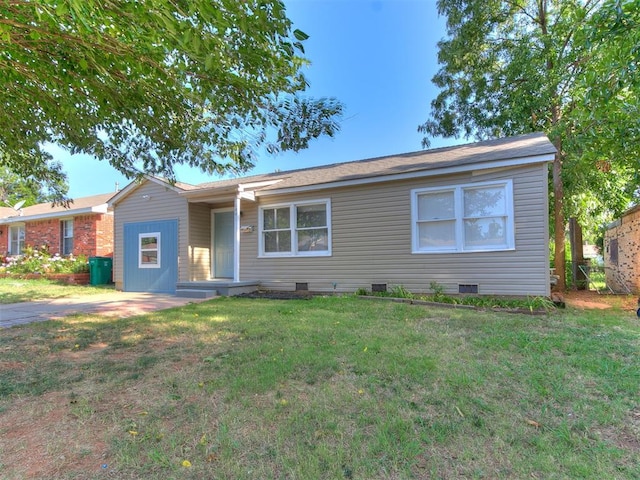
x=236 y=239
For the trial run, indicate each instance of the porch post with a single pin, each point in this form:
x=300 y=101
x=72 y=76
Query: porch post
x=236 y=239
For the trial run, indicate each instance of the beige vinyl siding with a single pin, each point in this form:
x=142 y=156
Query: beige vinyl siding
x=199 y=242
x=371 y=242
x=162 y=204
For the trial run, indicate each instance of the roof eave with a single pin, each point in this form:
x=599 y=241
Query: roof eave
x=104 y=208
x=228 y=192
x=427 y=172
x=126 y=191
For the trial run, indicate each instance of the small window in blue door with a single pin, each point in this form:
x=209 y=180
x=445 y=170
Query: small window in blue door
x=149 y=250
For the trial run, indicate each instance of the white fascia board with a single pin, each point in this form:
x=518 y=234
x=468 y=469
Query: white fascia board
x=416 y=174
x=66 y=214
x=254 y=185
x=134 y=185
x=245 y=190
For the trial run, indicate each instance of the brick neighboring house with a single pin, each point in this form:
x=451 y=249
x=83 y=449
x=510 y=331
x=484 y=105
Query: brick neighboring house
x=85 y=228
x=622 y=252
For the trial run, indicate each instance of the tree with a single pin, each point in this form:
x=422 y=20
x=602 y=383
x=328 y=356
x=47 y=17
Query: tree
x=147 y=85
x=513 y=67
x=15 y=189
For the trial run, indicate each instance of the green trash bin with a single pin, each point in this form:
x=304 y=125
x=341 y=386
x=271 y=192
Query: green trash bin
x=100 y=270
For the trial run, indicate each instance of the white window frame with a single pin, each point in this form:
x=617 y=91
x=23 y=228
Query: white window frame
x=294 y=230
x=64 y=237
x=459 y=241
x=21 y=241
x=157 y=249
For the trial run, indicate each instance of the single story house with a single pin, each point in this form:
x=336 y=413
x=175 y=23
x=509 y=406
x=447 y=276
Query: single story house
x=467 y=219
x=622 y=252
x=84 y=228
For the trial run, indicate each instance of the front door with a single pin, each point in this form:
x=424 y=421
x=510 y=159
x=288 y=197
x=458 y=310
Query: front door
x=223 y=244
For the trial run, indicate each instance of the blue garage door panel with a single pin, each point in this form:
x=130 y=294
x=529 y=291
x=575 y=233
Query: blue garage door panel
x=159 y=280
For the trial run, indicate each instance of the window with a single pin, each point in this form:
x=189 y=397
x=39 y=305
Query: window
x=16 y=240
x=149 y=250
x=67 y=236
x=296 y=229
x=464 y=218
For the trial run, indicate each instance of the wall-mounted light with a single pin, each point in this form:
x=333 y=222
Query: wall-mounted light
x=246 y=228
x=146 y=197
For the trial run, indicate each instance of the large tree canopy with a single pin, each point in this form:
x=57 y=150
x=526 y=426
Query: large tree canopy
x=150 y=84
x=565 y=67
x=16 y=190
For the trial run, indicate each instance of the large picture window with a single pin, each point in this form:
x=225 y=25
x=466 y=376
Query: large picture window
x=463 y=218
x=296 y=229
x=149 y=250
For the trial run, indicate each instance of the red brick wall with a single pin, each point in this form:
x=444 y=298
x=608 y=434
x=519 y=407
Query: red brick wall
x=104 y=236
x=43 y=232
x=92 y=235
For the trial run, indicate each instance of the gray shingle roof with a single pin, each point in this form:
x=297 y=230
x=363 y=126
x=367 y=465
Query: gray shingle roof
x=47 y=208
x=503 y=149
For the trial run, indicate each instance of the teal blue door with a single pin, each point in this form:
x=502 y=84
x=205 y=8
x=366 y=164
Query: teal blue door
x=223 y=244
x=151 y=256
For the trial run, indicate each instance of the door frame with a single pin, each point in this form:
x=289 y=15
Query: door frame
x=213 y=229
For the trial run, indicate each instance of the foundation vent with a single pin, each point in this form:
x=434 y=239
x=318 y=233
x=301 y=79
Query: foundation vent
x=378 y=287
x=302 y=287
x=467 y=288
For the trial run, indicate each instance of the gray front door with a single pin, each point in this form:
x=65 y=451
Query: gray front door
x=223 y=242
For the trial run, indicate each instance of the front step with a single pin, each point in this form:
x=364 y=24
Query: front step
x=194 y=293
x=219 y=287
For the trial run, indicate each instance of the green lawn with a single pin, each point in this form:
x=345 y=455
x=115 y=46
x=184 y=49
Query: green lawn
x=328 y=388
x=14 y=290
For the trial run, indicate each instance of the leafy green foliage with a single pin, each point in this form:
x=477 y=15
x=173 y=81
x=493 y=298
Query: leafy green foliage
x=14 y=189
x=148 y=85
x=40 y=260
x=568 y=68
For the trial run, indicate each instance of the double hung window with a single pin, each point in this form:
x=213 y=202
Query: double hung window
x=16 y=240
x=296 y=229
x=66 y=226
x=463 y=218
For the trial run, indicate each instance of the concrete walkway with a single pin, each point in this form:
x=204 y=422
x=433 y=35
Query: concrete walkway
x=112 y=304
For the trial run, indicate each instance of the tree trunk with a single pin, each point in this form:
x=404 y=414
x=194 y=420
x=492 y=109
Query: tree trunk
x=558 y=213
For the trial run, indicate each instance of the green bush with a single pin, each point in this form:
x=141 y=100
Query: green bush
x=40 y=260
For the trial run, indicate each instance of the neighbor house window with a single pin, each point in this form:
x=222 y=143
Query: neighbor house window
x=463 y=218
x=296 y=229
x=149 y=250
x=67 y=236
x=16 y=240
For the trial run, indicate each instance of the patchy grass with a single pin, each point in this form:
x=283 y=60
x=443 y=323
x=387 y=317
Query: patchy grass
x=14 y=290
x=324 y=388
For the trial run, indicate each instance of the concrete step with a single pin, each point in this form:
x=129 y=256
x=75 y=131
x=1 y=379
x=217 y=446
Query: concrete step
x=195 y=293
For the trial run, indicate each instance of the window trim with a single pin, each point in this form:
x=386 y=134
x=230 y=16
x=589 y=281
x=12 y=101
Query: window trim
x=157 y=249
x=294 y=230
x=20 y=244
x=458 y=192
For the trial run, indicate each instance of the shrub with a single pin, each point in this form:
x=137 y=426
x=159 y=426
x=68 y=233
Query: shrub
x=39 y=260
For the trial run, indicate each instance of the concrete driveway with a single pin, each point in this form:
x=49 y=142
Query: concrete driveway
x=113 y=304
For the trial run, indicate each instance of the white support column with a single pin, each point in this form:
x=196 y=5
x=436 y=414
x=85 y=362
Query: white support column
x=236 y=239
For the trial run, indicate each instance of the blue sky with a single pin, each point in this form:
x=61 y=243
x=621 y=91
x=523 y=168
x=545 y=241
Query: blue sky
x=376 y=56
